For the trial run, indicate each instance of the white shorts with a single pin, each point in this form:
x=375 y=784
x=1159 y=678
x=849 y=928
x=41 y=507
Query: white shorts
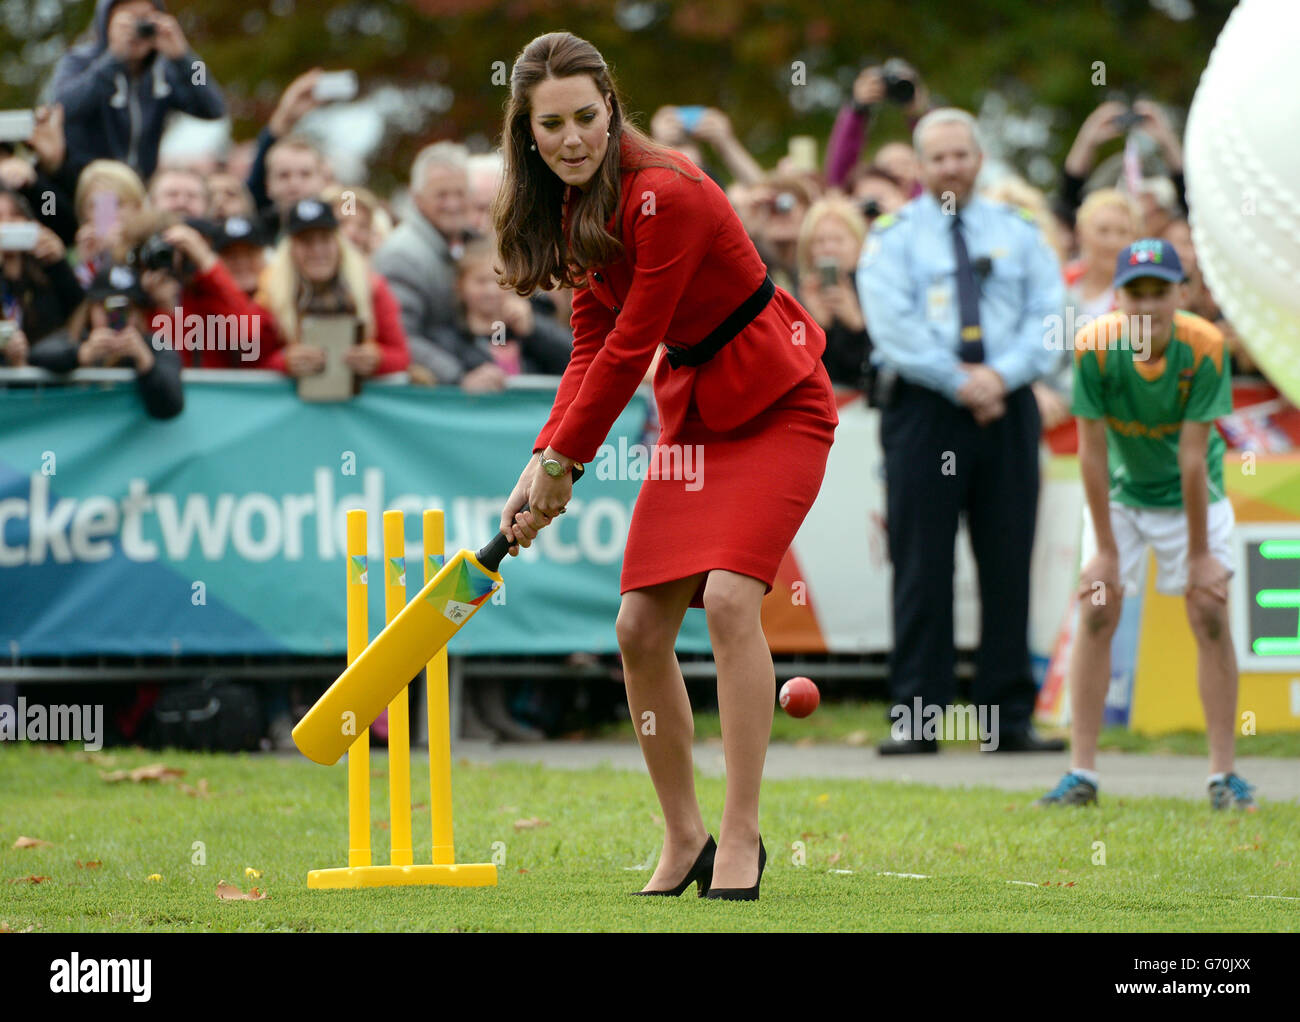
x=1165 y=531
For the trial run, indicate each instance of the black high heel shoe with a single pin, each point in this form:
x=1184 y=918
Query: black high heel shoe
x=701 y=872
x=742 y=893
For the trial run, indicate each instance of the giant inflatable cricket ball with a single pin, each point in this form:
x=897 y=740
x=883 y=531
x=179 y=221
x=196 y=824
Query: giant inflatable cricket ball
x=1242 y=162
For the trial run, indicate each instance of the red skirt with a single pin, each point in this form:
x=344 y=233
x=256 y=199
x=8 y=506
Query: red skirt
x=731 y=501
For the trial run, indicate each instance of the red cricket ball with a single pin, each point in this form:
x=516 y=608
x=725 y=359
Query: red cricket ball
x=799 y=697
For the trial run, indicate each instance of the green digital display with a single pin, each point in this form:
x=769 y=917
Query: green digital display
x=1269 y=621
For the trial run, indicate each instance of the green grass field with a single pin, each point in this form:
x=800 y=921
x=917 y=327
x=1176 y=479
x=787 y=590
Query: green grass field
x=1170 y=864
x=866 y=723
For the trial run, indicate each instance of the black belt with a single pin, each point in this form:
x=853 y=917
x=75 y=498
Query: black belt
x=744 y=314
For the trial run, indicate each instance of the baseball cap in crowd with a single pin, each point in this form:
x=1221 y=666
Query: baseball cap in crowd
x=237 y=230
x=310 y=215
x=117 y=280
x=1149 y=257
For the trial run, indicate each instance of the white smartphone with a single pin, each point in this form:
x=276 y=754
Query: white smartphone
x=18 y=237
x=17 y=125
x=336 y=86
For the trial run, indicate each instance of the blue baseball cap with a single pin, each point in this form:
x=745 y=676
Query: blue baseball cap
x=1149 y=257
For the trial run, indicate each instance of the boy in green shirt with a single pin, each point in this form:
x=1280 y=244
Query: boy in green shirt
x=1149 y=381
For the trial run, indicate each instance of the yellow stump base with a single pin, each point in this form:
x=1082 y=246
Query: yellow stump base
x=479 y=874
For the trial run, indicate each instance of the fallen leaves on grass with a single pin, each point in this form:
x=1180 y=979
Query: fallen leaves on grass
x=198 y=791
x=33 y=879
x=229 y=892
x=834 y=857
x=91 y=864
x=32 y=842
x=249 y=871
x=6 y=928
x=531 y=823
x=155 y=877
x=152 y=772
x=857 y=738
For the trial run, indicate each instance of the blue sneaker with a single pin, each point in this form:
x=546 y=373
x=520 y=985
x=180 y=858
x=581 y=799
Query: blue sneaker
x=1232 y=792
x=1072 y=790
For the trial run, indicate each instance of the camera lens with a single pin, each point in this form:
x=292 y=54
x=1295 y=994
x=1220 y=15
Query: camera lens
x=145 y=29
x=899 y=90
x=156 y=254
x=871 y=209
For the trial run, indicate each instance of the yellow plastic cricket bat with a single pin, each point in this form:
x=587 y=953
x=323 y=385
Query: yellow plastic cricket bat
x=400 y=651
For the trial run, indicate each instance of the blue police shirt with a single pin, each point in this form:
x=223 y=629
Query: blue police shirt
x=907 y=280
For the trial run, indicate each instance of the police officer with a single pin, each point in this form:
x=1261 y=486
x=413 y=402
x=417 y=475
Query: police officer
x=960 y=293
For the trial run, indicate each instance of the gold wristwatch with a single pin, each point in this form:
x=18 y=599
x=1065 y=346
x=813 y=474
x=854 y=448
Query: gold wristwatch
x=554 y=469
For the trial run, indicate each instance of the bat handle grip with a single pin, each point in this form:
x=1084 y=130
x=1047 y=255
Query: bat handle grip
x=495 y=552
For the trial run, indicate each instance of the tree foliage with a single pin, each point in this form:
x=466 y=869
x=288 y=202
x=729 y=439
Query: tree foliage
x=1037 y=55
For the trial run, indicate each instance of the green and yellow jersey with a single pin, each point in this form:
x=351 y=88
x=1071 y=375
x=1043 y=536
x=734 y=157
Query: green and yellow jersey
x=1145 y=403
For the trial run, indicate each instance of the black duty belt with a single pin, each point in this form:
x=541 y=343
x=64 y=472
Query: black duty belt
x=744 y=314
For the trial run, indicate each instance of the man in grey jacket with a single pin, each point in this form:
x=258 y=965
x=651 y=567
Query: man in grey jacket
x=118 y=89
x=419 y=262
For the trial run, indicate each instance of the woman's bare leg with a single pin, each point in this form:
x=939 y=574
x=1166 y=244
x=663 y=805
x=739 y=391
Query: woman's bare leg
x=746 y=697
x=648 y=622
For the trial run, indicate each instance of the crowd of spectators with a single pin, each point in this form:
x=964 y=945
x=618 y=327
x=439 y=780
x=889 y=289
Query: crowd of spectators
x=267 y=231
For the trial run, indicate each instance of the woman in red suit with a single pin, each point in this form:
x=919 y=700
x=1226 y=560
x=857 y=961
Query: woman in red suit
x=657 y=256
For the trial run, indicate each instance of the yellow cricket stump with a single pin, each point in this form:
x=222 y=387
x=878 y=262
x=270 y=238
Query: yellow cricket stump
x=402 y=871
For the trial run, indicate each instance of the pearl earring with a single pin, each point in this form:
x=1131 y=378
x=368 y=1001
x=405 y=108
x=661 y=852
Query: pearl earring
x=533 y=147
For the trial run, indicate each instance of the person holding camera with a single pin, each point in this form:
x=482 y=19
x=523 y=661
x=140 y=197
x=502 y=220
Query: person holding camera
x=684 y=128
x=38 y=290
x=118 y=89
x=777 y=208
x=830 y=242
x=896 y=82
x=110 y=329
x=1113 y=119
x=184 y=278
x=43 y=177
x=876 y=192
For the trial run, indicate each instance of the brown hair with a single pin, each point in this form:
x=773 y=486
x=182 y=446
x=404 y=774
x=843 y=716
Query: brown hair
x=299 y=142
x=528 y=206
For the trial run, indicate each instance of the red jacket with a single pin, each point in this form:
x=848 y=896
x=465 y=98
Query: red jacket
x=394 y=355
x=215 y=293
x=687 y=265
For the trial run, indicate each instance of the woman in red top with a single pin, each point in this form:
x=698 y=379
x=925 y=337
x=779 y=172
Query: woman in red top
x=657 y=256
